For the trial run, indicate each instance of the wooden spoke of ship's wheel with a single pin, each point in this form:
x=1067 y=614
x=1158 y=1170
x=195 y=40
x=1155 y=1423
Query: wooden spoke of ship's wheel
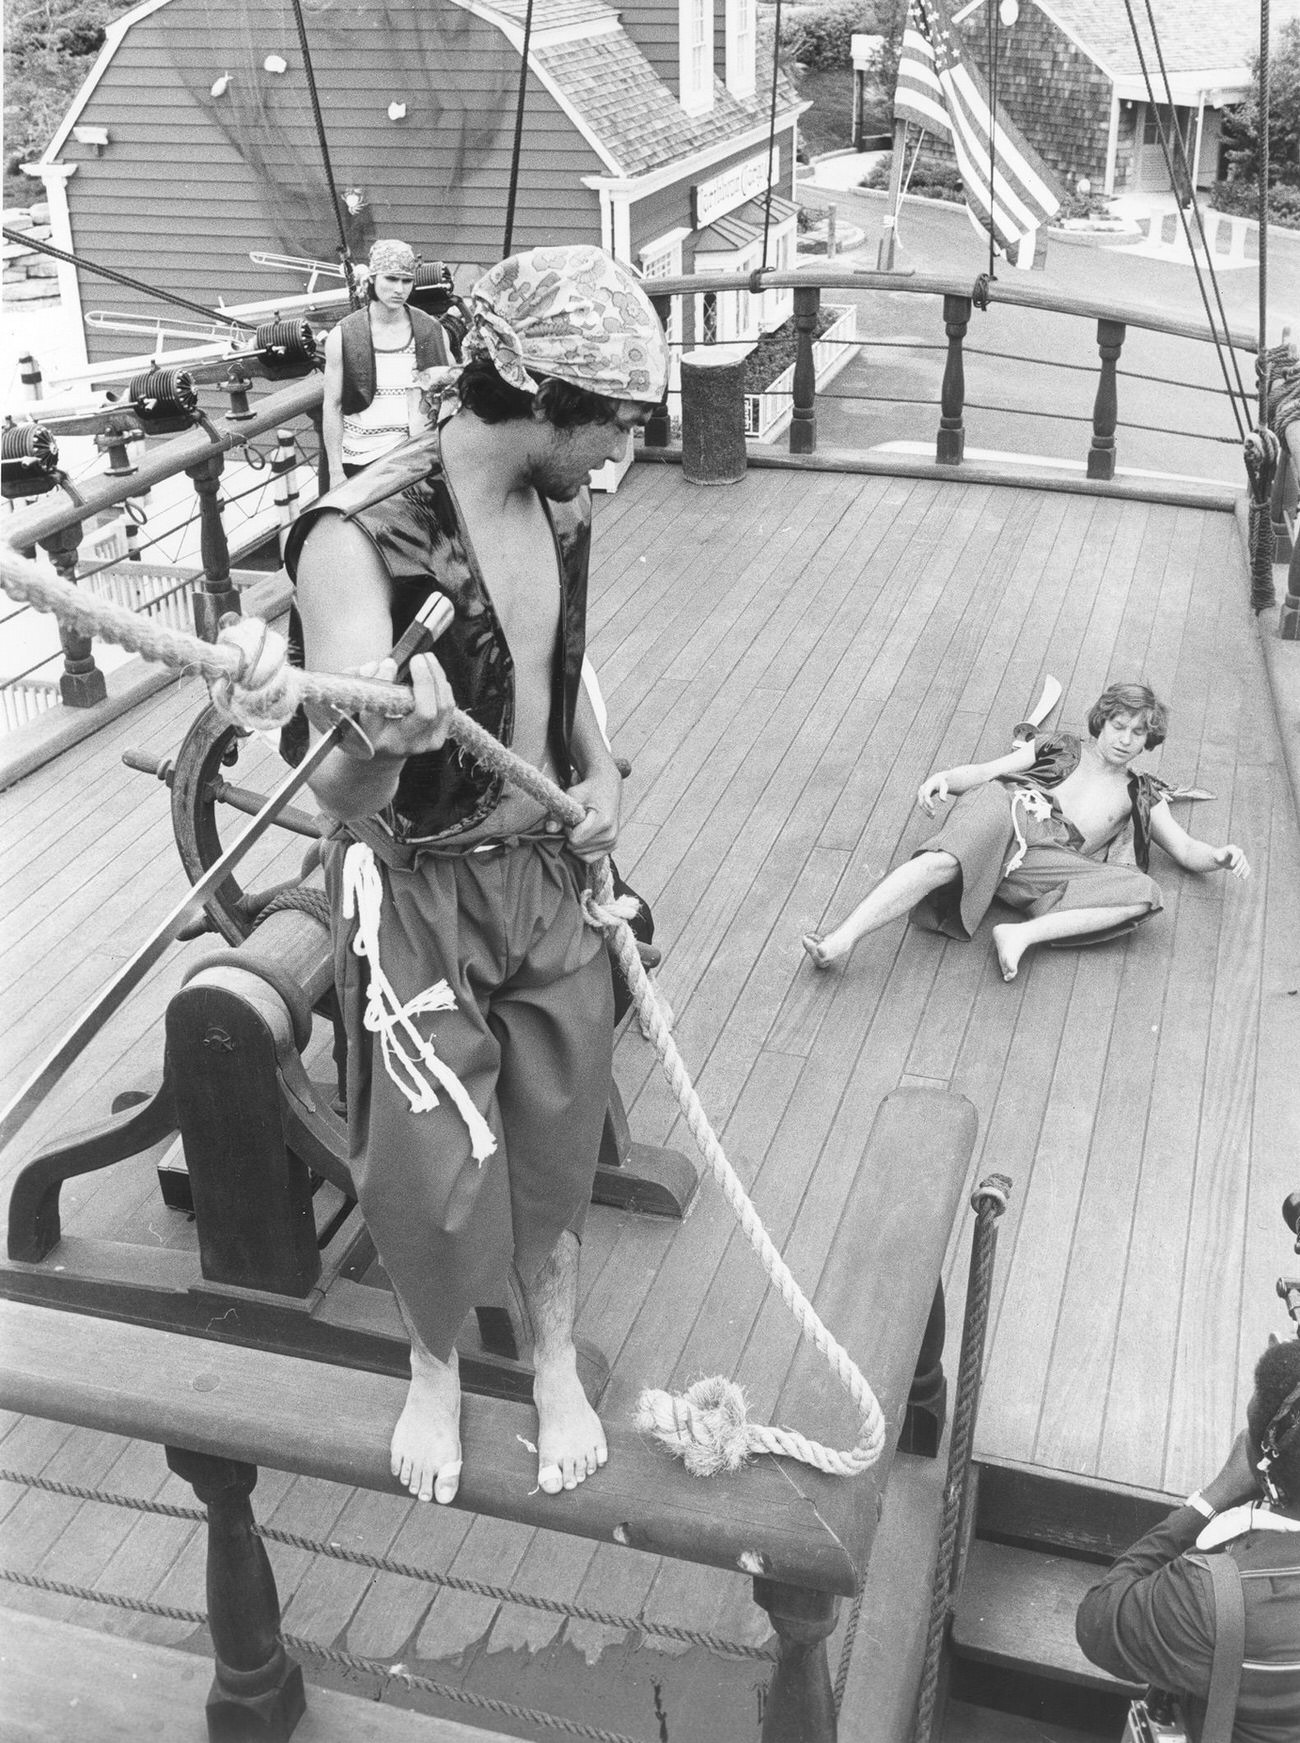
x=203 y=787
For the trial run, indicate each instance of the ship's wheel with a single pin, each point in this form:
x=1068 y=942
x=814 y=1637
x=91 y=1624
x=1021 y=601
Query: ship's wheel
x=203 y=797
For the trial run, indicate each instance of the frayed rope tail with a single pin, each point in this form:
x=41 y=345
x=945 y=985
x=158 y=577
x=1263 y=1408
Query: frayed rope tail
x=260 y=662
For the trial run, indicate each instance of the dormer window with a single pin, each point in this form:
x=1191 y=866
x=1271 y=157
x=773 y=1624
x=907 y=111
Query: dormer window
x=741 y=31
x=695 y=53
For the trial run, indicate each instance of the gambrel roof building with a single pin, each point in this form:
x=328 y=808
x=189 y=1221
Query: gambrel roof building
x=194 y=143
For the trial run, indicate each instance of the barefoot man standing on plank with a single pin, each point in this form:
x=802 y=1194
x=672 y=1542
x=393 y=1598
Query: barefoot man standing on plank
x=1059 y=829
x=478 y=1001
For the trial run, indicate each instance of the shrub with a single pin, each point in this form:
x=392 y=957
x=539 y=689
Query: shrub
x=934 y=177
x=1240 y=199
x=777 y=350
x=819 y=36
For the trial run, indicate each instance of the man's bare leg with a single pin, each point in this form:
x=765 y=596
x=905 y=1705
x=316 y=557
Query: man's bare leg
x=570 y=1440
x=426 y=1441
x=897 y=893
x=1014 y=937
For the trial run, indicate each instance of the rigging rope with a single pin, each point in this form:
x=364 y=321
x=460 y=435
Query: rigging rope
x=1189 y=170
x=345 y=252
x=771 y=130
x=222 y=317
x=254 y=685
x=1182 y=216
x=517 y=147
x=991 y=44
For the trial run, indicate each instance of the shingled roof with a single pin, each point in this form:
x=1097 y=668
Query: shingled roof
x=1194 y=35
x=620 y=98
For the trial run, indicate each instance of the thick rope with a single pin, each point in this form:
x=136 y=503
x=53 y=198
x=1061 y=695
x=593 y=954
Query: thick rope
x=1262 y=451
x=988 y=1201
x=326 y=1654
x=407 y=1570
x=254 y=684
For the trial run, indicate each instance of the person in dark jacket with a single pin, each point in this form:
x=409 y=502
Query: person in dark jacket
x=1151 y=1617
x=372 y=359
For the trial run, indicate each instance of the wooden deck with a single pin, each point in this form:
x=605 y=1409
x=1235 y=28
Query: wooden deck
x=784 y=661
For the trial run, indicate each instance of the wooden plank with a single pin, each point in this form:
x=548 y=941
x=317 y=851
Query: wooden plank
x=332 y=1423
x=68 y=1684
x=1017 y=1610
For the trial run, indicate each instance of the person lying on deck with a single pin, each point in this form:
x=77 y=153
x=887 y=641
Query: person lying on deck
x=1059 y=829
x=474 y=1159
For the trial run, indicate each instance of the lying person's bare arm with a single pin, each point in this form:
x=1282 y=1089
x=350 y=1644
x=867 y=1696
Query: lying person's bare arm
x=1191 y=854
x=949 y=783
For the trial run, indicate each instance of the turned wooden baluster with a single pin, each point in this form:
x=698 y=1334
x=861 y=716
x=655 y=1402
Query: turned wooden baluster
x=658 y=430
x=800 y=1705
x=1105 y=411
x=81 y=683
x=257 y=1691
x=950 y=444
x=1282 y=504
x=803 y=426
x=218 y=595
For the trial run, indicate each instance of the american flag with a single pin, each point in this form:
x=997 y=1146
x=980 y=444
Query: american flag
x=942 y=92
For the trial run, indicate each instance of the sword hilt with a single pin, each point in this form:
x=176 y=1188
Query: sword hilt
x=432 y=620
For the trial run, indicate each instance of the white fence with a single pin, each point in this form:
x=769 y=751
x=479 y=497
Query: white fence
x=768 y=413
x=22 y=699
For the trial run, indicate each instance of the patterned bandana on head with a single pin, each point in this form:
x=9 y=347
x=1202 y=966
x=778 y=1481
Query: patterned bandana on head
x=392 y=256
x=573 y=313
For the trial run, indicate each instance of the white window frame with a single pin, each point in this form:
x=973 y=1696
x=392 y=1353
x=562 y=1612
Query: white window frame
x=662 y=258
x=742 y=37
x=695 y=55
x=738 y=312
x=783 y=242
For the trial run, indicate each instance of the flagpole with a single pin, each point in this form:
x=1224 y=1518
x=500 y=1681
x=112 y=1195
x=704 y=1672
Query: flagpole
x=885 y=258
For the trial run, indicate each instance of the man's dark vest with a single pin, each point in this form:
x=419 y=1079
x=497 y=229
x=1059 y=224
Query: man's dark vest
x=359 y=354
x=404 y=506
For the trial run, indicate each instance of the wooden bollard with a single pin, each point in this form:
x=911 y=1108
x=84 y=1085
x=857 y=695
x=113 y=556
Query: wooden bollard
x=713 y=414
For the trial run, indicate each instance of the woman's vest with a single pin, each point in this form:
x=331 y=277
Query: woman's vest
x=403 y=505
x=359 y=354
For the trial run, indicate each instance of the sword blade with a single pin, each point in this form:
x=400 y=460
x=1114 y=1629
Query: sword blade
x=428 y=624
x=1046 y=702
x=51 y=1069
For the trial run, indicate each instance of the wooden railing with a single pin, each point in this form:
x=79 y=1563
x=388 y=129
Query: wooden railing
x=1286 y=528
x=55 y=522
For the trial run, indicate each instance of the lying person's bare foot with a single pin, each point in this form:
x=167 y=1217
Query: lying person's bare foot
x=815 y=945
x=426 y=1441
x=570 y=1440
x=1007 y=941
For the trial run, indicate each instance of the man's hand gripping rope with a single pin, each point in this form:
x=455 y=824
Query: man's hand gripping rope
x=253 y=684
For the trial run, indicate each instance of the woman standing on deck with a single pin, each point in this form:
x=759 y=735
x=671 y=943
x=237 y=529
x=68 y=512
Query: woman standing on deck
x=371 y=361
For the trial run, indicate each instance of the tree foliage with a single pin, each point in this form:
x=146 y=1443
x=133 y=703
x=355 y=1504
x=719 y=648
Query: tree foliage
x=50 y=46
x=1241 y=126
x=819 y=36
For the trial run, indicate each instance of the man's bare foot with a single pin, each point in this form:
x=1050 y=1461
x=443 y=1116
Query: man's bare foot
x=1007 y=942
x=570 y=1440
x=426 y=1441
x=815 y=945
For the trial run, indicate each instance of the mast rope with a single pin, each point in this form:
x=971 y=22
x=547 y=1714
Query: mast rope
x=223 y=318
x=345 y=252
x=1171 y=169
x=771 y=129
x=255 y=686
x=1189 y=170
x=517 y=147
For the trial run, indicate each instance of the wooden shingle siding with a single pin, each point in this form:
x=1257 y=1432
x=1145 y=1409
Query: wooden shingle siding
x=654 y=26
x=181 y=195
x=1056 y=95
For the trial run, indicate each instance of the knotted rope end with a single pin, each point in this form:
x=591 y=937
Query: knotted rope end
x=707 y=1426
x=259 y=693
